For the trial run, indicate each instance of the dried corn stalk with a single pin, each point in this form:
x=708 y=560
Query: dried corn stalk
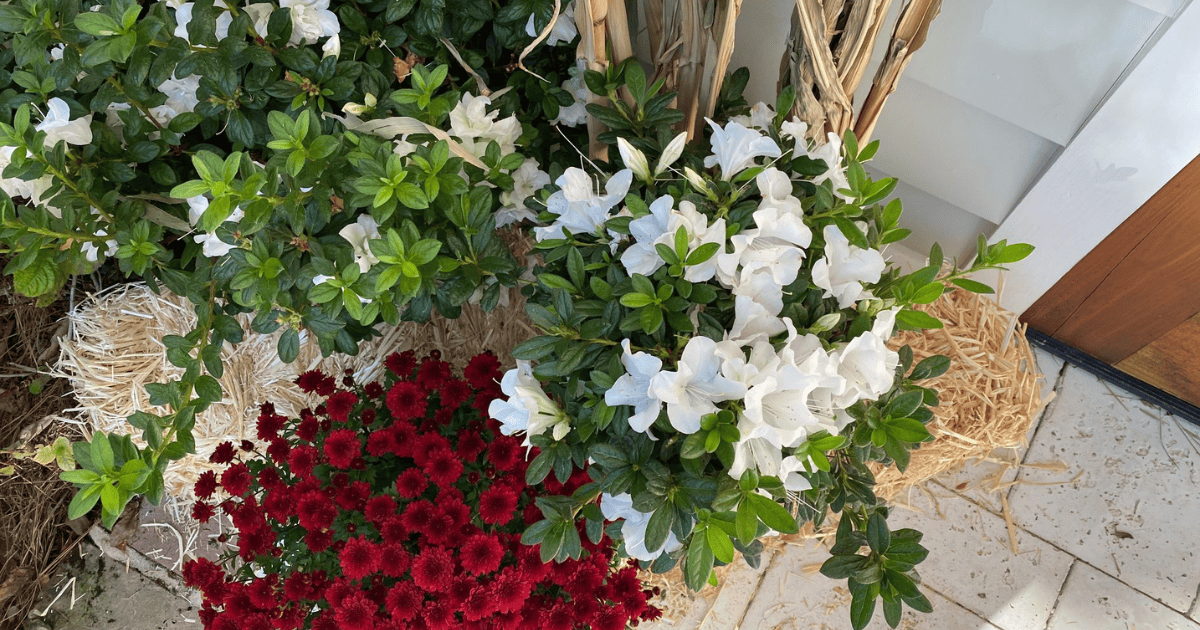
x=691 y=44
x=828 y=52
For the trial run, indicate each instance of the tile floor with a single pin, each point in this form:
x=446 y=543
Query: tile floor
x=1106 y=515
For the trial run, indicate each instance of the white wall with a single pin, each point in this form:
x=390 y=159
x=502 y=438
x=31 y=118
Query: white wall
x=999 y=89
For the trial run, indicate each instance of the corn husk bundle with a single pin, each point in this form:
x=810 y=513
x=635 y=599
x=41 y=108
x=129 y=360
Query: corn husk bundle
x=827 y=56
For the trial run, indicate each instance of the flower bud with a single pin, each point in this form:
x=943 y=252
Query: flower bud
x=332 y=47
x=671 y=153
x=696 y=180
x=634 y=159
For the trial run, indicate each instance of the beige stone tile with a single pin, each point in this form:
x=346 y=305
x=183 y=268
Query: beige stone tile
x=1130 y=511
x=1093 y=600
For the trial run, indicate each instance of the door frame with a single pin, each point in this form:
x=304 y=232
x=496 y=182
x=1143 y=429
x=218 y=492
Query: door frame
x=1150 y=122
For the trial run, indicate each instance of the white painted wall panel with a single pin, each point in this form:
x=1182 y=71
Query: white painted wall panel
x=1168 y=8
x=1040 y=64
x=956 y=152
x=934 y=220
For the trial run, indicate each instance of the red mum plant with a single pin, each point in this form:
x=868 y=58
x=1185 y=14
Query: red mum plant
x=399 y=505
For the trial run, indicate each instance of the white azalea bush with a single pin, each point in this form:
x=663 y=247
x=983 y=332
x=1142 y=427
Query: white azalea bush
x=715 y=325
x=329 y=165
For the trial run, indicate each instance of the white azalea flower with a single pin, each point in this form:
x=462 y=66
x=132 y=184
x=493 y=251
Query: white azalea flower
x=564 y=30
x=471 y=123
x=214 y=247
x=633 y=388
x=778 y=405
x=633 y=529
x=762 y=115
x=789 y=473
x=527 y=409
x=737 y=368
x=798 y=131
x=831 y=154
x=671 y=153
x=845 y=268
x=311 y=20
x=867 y=364
x=58 y=125
x=56 y=52
x=527 y=180
x=576 y=113
x=580 y=209
x=181 y=97
x=30 y=189
x=260 y=16
x=757 y=453
x=752 y=319
x=735 y=147
x=332 y=47
x=183 y=16
x=647 y=231
x=634 y=159
x=359 y=233
x=92 y=253
x=693 y=390
x=699 y=232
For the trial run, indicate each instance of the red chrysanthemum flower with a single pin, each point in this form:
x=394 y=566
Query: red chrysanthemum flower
x=401 y=364
x=470 y=445
x=203 y=512
x=504 y=453
x=393 y=530
x=454 y=393
x=206 y=484
x=608 y=619
x=223 y=454
x=406 y=401
x=318 y=541
x=479 y=605
x=315 y=511
x=481 y=554
x=444 y=468
x=367 y=416
x=438 y=615
x=309 y=381
x=357 y=612
x=497 y=505
x=359 y=558
x=509 y=591
x=403 y=601
x=353 y=496
x=379 y=508
x=236 y=480
x=420 y=516
x=433 y=569
x=394 y=560
x=373 y=390
x=482 y=370
x=425 y=445
x=339 y=405
x=268 y=426
x=341 y=447
x=411 y=483
x=308 y=429
x=302 y=459
x=560 y=617
x=433 y=374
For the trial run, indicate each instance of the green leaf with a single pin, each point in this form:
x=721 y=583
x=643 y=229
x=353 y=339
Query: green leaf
x=907 y=430
x=842 y=567
x=972 y=286
x=862 y=607
x=659 y=526
x=288 y=346
x=83 y=502
x=746 y=523
x=774 y=515
x=102 y=453
x=877 y=533
x=928 y=293
x=97 y=24
x=636 y=300
x=1012 y=253
x=720 y=543
x=79 y=476
x=916 y=320
x=891 y=612
x=931 y=367
x=905 y=404
x=699 y=563
x=208 y=389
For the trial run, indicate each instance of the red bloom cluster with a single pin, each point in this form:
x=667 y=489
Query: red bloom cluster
x=399 y=506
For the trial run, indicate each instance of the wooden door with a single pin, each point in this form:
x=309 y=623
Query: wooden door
x=1134 y=301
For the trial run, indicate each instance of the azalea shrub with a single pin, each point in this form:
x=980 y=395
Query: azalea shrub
x=326 y=165
x=398 y=505
x=715 y=347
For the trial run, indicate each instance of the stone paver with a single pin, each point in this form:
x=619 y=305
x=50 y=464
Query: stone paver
x=1131 y=513
x=1093 y=600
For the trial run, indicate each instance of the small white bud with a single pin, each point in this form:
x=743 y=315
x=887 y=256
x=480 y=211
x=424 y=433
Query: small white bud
x=696 y=180
x=634 y=159
x=671 y=153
